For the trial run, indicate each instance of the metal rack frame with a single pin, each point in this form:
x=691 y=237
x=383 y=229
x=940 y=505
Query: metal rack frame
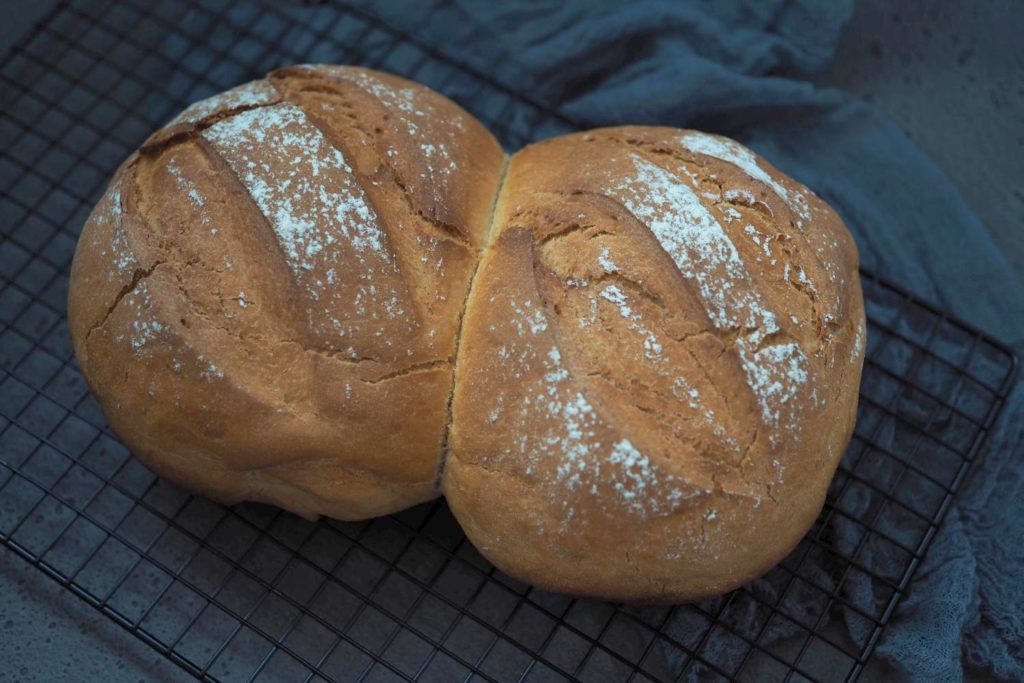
x=253 y=593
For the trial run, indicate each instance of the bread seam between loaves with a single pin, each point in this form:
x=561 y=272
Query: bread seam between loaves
x=484 y=246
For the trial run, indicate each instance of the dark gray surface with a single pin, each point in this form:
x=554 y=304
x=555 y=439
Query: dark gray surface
x=947 y=74
x=18 y=17
x=50 y=635
x=928 y=65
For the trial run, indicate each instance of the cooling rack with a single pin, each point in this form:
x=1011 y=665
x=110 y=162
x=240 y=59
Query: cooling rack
x=252 y=593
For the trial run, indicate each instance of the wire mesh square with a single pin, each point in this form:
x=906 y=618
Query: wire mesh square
x=252 y=593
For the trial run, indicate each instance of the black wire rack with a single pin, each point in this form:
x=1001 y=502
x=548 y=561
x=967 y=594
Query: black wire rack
x=252 y=593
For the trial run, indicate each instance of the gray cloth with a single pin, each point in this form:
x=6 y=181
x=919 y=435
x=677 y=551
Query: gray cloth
x=740 y=68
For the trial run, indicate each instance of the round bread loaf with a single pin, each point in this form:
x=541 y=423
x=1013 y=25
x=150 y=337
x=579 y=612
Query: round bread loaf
x=266 y=299
x=628 y=357
x=659 y=367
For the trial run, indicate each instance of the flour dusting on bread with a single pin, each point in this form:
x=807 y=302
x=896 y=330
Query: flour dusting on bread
x=309 y=193
x=413 y=109
x=320 y=182
x=195 y=196
x=108 y=214
x=583 y=461
x=736 y=154
x=615 y=295
x=252 y=94
x=143 y=326
x=704 y=253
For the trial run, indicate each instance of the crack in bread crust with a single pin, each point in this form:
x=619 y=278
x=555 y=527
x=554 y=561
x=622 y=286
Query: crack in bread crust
x=191 y=131
x=808 y=251
x=488 y=236
x=138 y=276
x=280 y=79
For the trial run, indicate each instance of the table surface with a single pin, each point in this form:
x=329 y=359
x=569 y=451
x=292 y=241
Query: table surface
x=954 y=82
x=930 y=66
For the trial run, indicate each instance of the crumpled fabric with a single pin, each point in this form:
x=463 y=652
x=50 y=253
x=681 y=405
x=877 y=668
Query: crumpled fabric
x=741 y=68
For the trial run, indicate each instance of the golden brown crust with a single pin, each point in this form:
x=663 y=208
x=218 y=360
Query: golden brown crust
x=659 y=367
x=265 y=300
x=658 y=350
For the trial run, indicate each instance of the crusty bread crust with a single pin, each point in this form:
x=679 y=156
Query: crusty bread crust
x=660 y=364
x=265 y=300
x=631 y=362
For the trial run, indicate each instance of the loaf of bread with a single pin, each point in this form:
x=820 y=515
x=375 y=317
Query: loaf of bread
x=629 y=358
x=266 y=299
x=658 y=366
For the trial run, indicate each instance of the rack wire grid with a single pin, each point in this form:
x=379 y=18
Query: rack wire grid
x=252 y=593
